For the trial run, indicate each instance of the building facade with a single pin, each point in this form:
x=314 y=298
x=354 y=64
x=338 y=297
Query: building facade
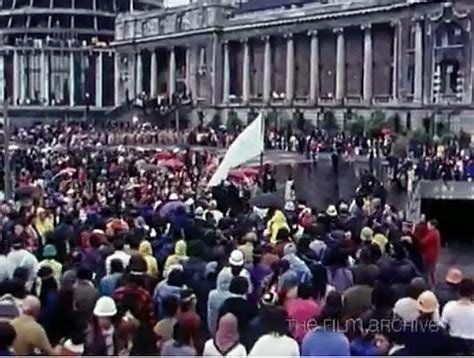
x=55 y=55
x=410 y=57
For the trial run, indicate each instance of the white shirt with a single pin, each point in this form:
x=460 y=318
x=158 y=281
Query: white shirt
x=458 y=319
x=407 y=309
x=120 y=255
x=210 y=350
x=274 y=345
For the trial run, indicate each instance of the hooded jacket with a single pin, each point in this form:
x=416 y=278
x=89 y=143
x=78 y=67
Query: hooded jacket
x=277 y=222
x=147 y=253
x=179 y=256
x=217 y=298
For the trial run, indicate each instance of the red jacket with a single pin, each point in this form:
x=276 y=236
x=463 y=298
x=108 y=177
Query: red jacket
x=430 y=245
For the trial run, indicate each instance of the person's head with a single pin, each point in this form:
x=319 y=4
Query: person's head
x=364 y=277
x=85 y=274
x=433 y=224
x=331 y=312
x=399 y=251
x=116 y=266
x=187 y=300
x=239 y=285
x=454 y=276
x=176 y=278
x=31 y=306
x=181 y=336
x=275 y=321
x=104 y=311
x=118 y=244
x=283 y=235
x=382 y=297
x=169 y=306
x=427 y=304
x=417 y=286
x=305 y=291
x=466 y=289
x=7 y=335
x=228 y=326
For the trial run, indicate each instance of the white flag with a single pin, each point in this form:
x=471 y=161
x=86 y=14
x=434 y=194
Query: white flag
x=248 y=145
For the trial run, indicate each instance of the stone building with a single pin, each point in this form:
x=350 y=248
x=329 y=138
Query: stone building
x=55 y=58
x=410 y=57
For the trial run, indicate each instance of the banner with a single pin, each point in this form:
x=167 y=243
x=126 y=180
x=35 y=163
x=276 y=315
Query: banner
x=248 y=145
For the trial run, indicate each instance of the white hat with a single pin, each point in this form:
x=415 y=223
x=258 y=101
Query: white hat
x=331 y=211
x=174 y=196
x=199 y=211
x=236 y=258
x=105 y=307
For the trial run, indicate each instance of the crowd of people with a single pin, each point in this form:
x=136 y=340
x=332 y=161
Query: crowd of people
x=120 y=251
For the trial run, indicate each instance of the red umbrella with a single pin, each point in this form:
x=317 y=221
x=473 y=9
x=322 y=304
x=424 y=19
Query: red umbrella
x=164 y=155
x=171 y=163
x=243 y=174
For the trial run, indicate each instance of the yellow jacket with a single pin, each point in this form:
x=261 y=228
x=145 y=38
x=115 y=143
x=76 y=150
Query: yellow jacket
x=277 y=222
x=147 y=254
x=179 y=256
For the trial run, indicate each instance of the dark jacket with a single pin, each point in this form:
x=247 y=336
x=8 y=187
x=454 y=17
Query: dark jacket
x=427 y=338
x=446 y=292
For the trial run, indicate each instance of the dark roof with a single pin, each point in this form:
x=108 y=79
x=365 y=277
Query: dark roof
x=258 y=5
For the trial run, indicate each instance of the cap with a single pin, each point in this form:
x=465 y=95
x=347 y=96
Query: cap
x=366 y=234
x=454 y=276
x=427 y=302
x=199 y=211
x=236 y=258
x=173 y=196
x=269 y=299
x=49 y=251
x=105 y=307
x=331 y=211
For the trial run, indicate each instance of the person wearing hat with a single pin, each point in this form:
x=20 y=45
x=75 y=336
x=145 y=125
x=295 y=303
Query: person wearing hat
x=247 y=246
x=425 y=337
x=275 y=224
x=236 y=268
x=448 y=289
x=49 y=254
x=103 y=336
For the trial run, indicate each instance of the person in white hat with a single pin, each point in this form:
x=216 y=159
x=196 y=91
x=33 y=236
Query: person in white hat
x=104 y=330
x=236 y=268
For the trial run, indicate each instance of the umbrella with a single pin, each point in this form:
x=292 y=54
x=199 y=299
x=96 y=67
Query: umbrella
x=268 y=200
x=243 y=174
x=171 y=163
x=67 y=171
x=170 y=207
x=164 y=155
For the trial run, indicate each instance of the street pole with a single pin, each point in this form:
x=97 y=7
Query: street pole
x=6 y=152
x=177 y=119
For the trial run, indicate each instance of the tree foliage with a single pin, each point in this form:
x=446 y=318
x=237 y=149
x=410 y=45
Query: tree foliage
x=375 y=124
x=329 y=122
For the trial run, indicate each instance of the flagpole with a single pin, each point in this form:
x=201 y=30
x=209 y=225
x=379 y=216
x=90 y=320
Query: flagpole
x=261 y=154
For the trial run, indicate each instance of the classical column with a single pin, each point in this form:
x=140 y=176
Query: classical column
x=396 y=45
x=43 y=76
x=153 y=74
x=226 y=73
x=368 y=64
x=267 y=70
x=2 y=77
x=340 y=65
x=172 y=74
x=246 y=73
x=99 y=79
x=139 y=74
x=132 y=76
x=72 y=80
x=16 y=77
x=418 y=93
x=193 y=70
x=23 y=78
x=117 y=75
x=314 y=68
x=290 y=69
